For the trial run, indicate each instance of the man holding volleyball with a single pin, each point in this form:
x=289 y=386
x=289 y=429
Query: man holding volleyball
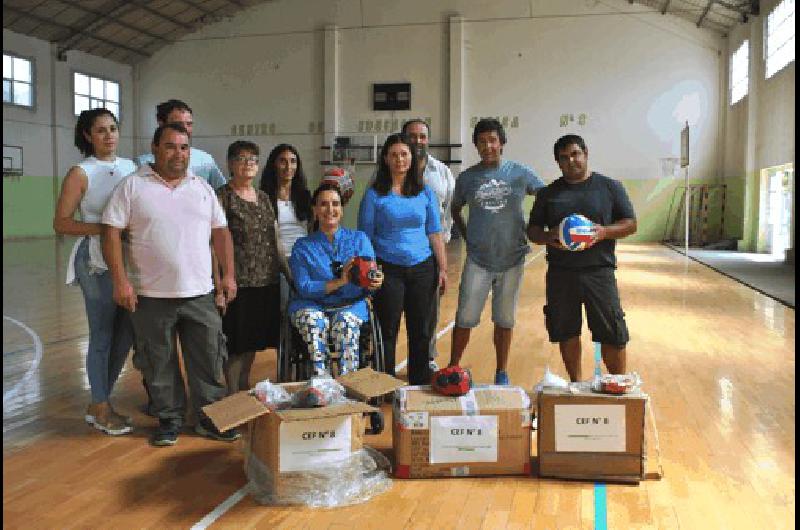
x=584 y=275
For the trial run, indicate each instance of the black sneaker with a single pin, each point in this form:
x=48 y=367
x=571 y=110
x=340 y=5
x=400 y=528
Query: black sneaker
x=205 y=428
x=166 y=434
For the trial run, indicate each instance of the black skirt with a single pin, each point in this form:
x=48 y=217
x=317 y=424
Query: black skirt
x=252 y=321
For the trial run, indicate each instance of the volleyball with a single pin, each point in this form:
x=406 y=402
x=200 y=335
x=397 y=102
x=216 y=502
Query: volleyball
x=341 y=178
x=575 y=232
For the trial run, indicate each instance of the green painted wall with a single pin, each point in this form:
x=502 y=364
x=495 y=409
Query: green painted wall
x=28 y=207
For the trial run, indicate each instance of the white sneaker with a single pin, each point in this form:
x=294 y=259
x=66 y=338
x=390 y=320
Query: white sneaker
x=433 y=366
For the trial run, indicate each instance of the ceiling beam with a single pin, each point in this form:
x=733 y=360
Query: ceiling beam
x=144 y=6
x=120 y=8
x=42 y=20
x=705 y=12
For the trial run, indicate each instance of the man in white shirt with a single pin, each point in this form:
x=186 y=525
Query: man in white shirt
x=201 y=163
x=171 y=215
x=439 y=177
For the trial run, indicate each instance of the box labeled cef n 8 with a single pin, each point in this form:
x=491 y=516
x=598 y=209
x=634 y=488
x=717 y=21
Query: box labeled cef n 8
x=485 y=432
x=586 y=435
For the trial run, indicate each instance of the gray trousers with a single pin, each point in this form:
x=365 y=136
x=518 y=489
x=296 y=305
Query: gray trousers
x=199 y=328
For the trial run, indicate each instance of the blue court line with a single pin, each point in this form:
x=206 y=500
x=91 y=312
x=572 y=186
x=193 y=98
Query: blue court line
x=600 y=514
x=600 y=506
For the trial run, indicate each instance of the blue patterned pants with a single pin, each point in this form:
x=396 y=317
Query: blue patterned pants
x=343 y=327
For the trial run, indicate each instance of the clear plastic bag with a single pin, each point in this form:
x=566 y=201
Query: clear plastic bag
x=274 y=396
x=550 y=380
x=353 y=480
x=318 y=392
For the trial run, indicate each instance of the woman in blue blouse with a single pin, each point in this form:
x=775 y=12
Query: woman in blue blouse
x=327 y=301
x=401 y=217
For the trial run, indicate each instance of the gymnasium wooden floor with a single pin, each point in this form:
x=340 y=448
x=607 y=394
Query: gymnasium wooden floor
x=717 y=359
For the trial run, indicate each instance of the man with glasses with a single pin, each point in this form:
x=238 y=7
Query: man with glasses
x=201 y=163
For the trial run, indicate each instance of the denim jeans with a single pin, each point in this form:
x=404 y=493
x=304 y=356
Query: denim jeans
x=110 y=330
x=476 y=282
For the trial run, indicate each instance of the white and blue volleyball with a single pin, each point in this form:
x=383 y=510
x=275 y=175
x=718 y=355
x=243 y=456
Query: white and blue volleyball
x=575 y=232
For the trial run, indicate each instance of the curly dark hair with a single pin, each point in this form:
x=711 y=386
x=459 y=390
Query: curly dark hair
x=489 y=125
x=413 y=184
x=83 y=127
x=299 y=194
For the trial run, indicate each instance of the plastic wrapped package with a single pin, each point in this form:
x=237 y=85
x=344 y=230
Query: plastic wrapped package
x=550 y=380
x=319 y=392
x=275 y=397
x=354 y=480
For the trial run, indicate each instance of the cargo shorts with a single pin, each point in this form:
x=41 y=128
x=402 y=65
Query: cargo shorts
x=596 y=289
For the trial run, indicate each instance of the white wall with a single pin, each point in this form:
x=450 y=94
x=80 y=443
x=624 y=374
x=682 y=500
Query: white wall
x=33 y=129
x=760 y=128
x=46 y=132
x=533 y=60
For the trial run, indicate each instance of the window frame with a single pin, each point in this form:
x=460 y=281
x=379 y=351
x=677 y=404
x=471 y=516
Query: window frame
x=32 y=61
x=103 y=78
x=765 y=47
x=745 y=42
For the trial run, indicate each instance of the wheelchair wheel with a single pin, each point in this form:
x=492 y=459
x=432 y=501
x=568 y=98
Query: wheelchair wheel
x=284 y=359
x=376 y=339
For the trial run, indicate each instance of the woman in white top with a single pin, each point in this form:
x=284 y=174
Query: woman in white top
x=284 y=181
x=87 y=188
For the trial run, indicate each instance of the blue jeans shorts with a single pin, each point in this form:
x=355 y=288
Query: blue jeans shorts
x=475 y=285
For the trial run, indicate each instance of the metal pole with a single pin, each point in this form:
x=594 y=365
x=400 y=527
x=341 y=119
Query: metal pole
x=686 y=208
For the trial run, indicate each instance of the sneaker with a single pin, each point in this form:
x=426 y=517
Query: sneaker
x=433 y=366
x=100 y=416
x=501 y=377
x=205 y=428
x=166 y=434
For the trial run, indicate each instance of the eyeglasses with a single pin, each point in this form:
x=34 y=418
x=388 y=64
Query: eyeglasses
x=245 y=159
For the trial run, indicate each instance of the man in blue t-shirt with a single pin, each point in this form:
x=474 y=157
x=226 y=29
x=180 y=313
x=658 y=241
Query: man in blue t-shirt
x=201 y=163
x=496 y=244
x=586 y=277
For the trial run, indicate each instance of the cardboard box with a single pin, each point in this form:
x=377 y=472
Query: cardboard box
x=297 y=440
x=486 y=432
x=586 y=435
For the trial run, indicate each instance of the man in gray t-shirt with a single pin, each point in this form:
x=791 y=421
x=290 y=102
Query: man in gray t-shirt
x=496 y=241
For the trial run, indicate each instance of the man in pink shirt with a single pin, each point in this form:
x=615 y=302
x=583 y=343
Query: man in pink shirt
x=171 y=216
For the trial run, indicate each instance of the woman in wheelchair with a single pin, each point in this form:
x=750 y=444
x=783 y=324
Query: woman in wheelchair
x=328 y=302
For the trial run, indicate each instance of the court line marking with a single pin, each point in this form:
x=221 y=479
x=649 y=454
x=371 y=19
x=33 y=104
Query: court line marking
x=237 y=496
x=37 y=358
x=600 y=503
x=217 y=512
x=600 y=507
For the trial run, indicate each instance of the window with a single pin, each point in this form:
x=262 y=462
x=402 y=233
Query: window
x=93 y=92
x=740 y=61
x=779 y=37
x=17 y=80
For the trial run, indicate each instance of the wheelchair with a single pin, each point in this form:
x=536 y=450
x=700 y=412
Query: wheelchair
x=294 y=361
